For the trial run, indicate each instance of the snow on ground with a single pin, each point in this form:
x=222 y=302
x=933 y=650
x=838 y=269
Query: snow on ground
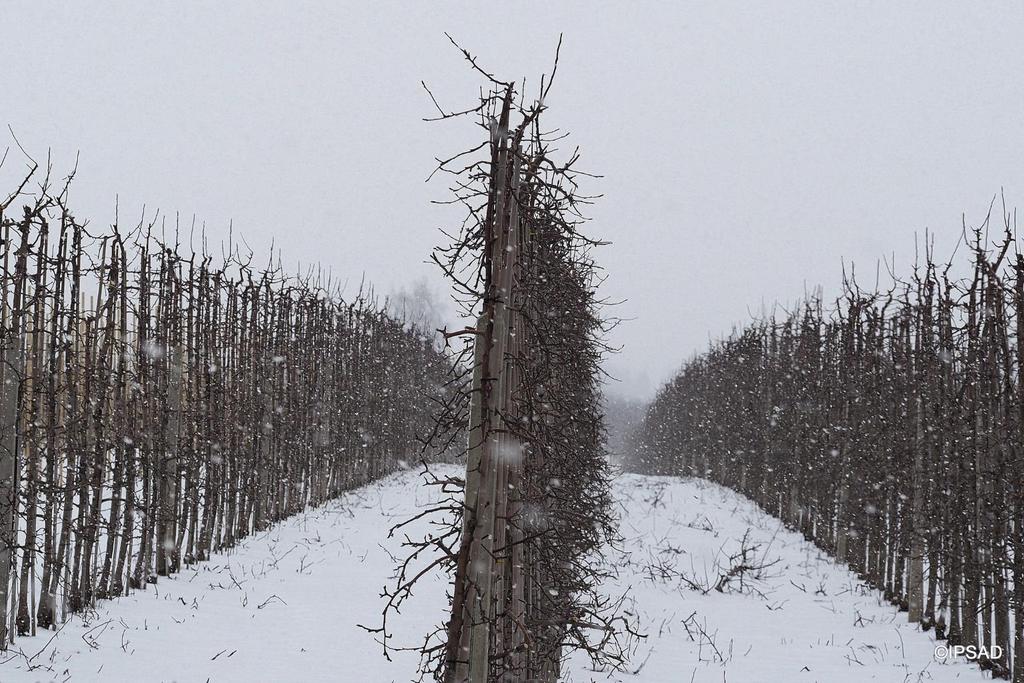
x=801 y=618
x=285 y=605
x=282 y=606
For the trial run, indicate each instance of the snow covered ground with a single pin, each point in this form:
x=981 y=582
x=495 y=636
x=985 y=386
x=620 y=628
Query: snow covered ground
x=800 y=618
x=284 y=605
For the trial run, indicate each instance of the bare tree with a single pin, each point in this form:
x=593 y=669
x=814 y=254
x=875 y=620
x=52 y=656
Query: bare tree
x=522 y=532
x=886 y=430
x=158 y=405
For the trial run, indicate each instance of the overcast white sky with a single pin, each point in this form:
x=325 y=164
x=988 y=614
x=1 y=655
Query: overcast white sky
x=746 y=148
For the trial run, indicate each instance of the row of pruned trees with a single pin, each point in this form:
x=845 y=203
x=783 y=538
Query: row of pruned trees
x=159 y=404
x=889 y=430
x=523 y=533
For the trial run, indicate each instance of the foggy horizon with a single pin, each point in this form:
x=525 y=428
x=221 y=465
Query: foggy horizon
x=744 y=151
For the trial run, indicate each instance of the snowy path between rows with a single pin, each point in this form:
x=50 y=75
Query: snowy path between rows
x=281 y=606
x=285 y=605
x=804 y=619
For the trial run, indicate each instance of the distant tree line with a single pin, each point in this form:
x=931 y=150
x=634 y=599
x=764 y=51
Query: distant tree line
x=159 y=404
x=888 y=429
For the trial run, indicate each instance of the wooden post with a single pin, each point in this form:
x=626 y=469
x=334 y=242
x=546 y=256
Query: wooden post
x=13 y=372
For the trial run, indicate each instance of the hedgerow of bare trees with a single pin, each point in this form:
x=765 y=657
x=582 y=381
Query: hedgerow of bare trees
x=523 y=531
x=888 y=430
x=159 y=404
